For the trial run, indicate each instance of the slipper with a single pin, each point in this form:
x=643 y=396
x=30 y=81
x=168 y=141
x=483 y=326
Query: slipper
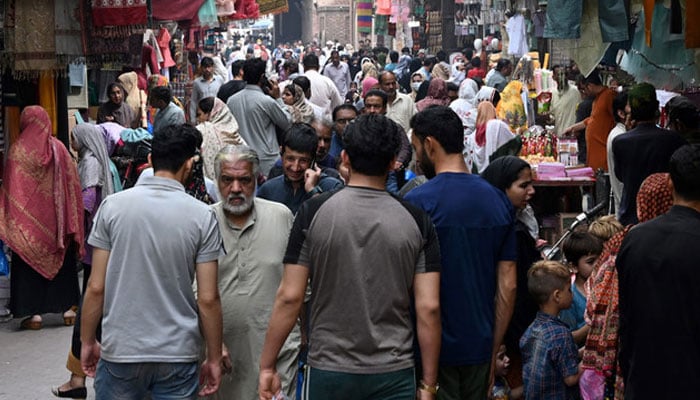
x=29 y=324
x=75 y=393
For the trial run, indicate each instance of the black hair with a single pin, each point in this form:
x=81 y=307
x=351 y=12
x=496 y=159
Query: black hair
x=684 y=169
x=503 y=171
x=378 y=93
x=681 y=109
x=303 y=82
x=502 y=63
x=405 y=50
x=592 y=79
x=301 y=137
x=476 y=62
x=310 y=61
x=120 y=86
x=236 y=67
x=441 y=123
x=253 y=70
x=173 y=145
x=619 y=104
x=292 y=66
x=161 y=93
x=451 y=86
x=394 y=56
x=581 y=244
x=468 y=54
x=430 y=61
x=441 y=55
x=334 y=52
x=206 y=104
x=206 y=62
x=343 y=107
x=422 y=90
x=371 y=142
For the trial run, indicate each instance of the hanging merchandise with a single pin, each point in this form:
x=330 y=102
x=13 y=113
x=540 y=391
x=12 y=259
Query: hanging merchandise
x=175 y=10
x=383 y=7
x=207 y=14
x=225 y=8
x=68 y=43
x=118 y=13
x=517 y=34
x=564 y=19
x=381 y=25
x=32 y=41
x=273 y=6
x=364 y=16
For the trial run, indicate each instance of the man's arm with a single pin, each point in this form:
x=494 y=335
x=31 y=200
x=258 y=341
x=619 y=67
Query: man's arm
x=211 y=324
x=194 y=103
x=279 y=115
x=91 y=312
x=288 y=302
x=426 y=287
x=506 y=285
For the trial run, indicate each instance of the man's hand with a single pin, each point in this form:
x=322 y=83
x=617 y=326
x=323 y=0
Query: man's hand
x=89 y=357
x=311 y=178
x=209 y=377
x=425 y=395
x=226 y=365
x=268 y=384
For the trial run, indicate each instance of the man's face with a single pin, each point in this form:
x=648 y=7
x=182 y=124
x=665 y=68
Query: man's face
x=388 y=84
x=208 y=72
x=374 y=105
x=236 y=187
x=452 y=94
x=324 y=140
x=335 y=59
x=422 y=159
x=342 y=119
x=295 y=164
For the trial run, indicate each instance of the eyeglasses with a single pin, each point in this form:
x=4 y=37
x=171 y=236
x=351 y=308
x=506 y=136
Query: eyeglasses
x=344 y=121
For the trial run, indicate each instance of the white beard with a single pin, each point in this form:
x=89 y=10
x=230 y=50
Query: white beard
x=239 y=209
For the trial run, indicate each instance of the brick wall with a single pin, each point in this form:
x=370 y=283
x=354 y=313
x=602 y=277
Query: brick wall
x=333 y=20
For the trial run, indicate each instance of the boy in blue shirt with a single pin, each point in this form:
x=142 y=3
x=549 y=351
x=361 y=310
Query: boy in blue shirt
x=550 y=357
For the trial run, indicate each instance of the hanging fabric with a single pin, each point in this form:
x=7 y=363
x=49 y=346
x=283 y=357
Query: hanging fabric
x=364 y=16
x=692 y=28
x=119 y=13
x=47 y=97
x=68 y=44
x=35 y=45
x=175 y=10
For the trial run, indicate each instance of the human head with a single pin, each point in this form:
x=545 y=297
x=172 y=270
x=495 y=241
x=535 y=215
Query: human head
x=116 y=93
x=643 y=103
x=655 y=197
x=335 y=57
x=204 y=108
x=160 y=97
x=476 y=62
x=253 y=71
x=504 y=66
x=291 y=67
x=416 y=79
x=478 y=44
x=342 y=116
x=394 y=56
x=513 y=176
x=237 y=69
x=590 y=85
x=371 y=144
x=684 y=169
x=207 y=67
x=429 y=63
x=452 y=91
x=582 y=250
x=619 y=104
x=441 y=55
x=310 y=62
x=467 y=53
x=368 y=84
x=387 y=82
x=298 y=150
x=375 y=102
x=288 y=94
x=324 y=131
x=550 y=281
x=487 y=93
x=435 y=128
x=683 y=115
x=304 y=83
x=174 y=148
x=421 y=53
x=605 y=227
x=236 y=169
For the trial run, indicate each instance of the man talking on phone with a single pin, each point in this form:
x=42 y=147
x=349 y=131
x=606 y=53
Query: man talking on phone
x=302 y=179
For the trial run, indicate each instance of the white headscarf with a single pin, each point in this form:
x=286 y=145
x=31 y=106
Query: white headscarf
x=465 y=106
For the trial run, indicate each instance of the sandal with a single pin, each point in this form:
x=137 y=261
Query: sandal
x=30 y=324
x=69 y=320
x=75 y=393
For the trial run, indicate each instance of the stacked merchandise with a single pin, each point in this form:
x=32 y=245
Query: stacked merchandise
x=434 y=30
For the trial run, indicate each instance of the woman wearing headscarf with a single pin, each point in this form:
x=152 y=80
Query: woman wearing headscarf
x=219 y=128
x=487 y=93
x=41 y=222
x=511 y=108
x=437 y=95
x=135 y=97
x=293 y=96
x=600 y=364
x=465 y=106
x=416 y=80
x=491 y=139
x=96 y=181
x=116 y=109
x=513 y=176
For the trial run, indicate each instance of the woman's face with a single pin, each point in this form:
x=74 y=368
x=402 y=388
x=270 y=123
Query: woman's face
x=521 y=191
x=115 y=95
x=288 y=97
x=74 y=143
x=202 y=116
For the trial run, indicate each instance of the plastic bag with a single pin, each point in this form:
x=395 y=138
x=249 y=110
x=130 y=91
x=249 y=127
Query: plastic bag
x=4 y=264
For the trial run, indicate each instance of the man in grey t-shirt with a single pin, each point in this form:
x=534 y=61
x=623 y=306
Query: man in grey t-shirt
x=149 y=244
x=369 y=257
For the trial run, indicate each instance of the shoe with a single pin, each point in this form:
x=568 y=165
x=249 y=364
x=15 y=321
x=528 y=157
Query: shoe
x=70 y=319
x=30 y=324
x=75 y=393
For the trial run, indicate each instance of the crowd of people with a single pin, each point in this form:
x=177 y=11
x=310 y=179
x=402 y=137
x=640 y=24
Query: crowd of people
x=366 y=219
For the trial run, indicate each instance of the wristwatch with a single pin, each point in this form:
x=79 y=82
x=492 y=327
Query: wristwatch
x=316 y=190
x=428 y=388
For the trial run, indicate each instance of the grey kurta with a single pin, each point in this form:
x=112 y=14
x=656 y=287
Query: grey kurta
x=249 y=274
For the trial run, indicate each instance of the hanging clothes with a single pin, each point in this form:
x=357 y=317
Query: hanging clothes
x=563 y=19
x=175 y=10
x=47 y=97
x=225 y=8
x=517 y=33
x=164 y=45
x=207 y=14
x=613 y=20
x=119 y=13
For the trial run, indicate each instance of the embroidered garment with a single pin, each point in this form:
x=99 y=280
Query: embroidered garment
x=40 y=199
x=119 y=12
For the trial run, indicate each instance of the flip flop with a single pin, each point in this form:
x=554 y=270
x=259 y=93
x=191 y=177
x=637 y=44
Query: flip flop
x=75 y=393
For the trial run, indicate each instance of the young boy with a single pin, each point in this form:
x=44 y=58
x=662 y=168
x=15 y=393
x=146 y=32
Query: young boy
x=581 y=250
x=550 y=364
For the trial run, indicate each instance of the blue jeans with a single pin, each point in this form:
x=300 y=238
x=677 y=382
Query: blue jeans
x=398 y=385
x=132 y=381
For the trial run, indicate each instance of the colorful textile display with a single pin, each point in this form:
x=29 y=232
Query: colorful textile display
x=364 y=16
x=120 y=13
x=68 y=44
x=34 y=45
x=47 y=97
x=175 y=10
x=273 y=6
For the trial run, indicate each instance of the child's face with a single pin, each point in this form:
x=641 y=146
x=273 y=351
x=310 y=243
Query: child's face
x=502 y=362
x=585 y=265
x=564 y=297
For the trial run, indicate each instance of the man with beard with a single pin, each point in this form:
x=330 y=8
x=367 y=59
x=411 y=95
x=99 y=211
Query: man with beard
x=254 y=232
x=476 y=232
x=302 y=178
x=400 y=107
x=144 y=262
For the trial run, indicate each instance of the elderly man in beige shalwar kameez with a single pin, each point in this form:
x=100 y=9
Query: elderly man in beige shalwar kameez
x=254 y=233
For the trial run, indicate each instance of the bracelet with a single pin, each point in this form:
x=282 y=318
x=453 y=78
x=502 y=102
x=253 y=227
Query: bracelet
x=316 y=190
x=428 y=388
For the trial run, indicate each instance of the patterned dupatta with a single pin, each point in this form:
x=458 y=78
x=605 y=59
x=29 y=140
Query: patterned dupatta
x=40 y=199
x=119 y=12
